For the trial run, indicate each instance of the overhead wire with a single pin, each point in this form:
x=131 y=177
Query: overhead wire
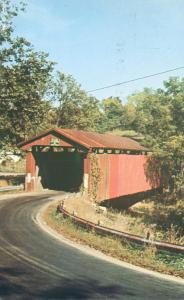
x=135 y=79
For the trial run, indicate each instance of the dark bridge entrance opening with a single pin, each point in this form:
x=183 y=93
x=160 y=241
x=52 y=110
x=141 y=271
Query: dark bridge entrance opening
x=60 y=170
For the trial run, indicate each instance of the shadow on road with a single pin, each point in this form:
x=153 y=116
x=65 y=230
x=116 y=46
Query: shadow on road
x=8 y=282
x=85 y=289
x=15 y=283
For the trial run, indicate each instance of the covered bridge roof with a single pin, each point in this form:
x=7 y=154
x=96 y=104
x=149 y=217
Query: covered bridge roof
x=86 y=139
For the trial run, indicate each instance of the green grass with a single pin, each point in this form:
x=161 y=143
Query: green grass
x=147 y=257
x=164 y=219
x=176 y=261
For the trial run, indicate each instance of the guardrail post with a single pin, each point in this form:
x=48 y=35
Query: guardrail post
x=122 y=235
x=62 y=204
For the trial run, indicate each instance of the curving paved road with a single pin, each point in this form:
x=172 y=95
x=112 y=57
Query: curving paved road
x=33 y=265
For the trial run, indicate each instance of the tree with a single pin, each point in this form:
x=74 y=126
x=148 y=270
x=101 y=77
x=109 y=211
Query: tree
x=160 y=118
x=153 y=117
x=129 y=115
x=75 y=109
x=113 y=113
x=174 y=92
x=24 y=78
x=8 y=11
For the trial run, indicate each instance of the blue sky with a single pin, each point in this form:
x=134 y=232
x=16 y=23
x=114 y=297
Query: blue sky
x=101 y=42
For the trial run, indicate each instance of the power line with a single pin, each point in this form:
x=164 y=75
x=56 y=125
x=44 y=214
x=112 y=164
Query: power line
x=135 y=79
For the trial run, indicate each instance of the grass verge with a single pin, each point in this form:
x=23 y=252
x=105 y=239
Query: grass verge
x=163 y=221
x=147 y=257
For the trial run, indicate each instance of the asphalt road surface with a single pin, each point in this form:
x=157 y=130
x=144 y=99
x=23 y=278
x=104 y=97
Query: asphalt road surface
x=33 y=265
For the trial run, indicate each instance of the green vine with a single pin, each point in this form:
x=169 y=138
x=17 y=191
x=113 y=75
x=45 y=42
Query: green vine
x=94 y=176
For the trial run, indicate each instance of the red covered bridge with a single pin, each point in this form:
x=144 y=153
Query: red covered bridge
x=105 y=165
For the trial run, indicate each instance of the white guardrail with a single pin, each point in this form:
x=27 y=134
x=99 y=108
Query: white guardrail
x=11 y=188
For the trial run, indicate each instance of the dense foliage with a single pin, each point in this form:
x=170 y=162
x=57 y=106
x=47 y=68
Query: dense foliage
x=74 y=108
x=24 y=76
x=159 y=116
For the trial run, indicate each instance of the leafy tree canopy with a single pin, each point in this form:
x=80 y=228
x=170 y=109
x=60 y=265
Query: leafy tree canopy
x=160 y=118
x=75 y=109
x=24 y=76
x=113 y=111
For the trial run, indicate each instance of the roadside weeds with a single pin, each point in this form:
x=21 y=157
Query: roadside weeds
x=161 y=222
x=146 y=257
